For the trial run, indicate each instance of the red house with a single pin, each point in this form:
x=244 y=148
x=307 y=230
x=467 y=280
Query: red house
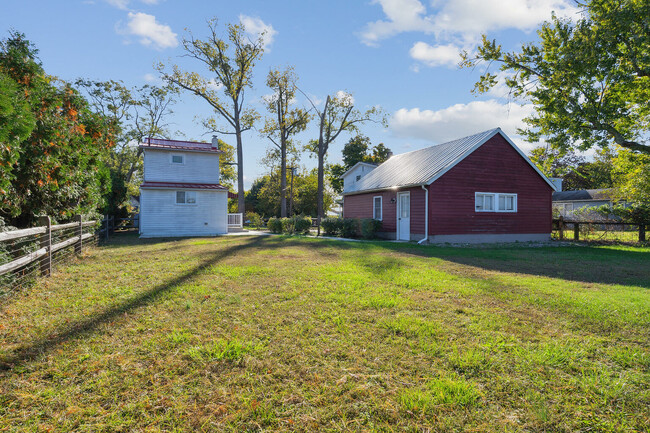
x=480 y=188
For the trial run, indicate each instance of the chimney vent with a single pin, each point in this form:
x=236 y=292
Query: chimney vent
x=215 y=142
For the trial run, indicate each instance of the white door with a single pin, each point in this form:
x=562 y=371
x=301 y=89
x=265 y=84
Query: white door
x=404 y=216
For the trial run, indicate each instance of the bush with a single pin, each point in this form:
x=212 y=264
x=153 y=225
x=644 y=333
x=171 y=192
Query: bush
x=254 y=219
x=287 y=225
x=370 y=227
x=301 y=224
x=274 y=225
x=349 y=227
x=331 y=226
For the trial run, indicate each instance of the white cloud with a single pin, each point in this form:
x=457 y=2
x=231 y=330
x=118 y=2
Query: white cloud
x=439 y=55
x=150 y=78
x=255 y=28
x=463 y=18
x=120 y=4
x=151 y=32
x=453 y=24
x=403 y=16
x=460 y=120
x=473 y=17
x=150 y=2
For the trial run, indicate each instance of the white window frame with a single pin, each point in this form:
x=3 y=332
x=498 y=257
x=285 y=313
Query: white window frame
x=171 y=159
x=381 y=208
x=495 y=202
x=186 y=195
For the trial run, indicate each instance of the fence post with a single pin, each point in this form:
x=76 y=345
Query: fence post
x=642 y=232
x=576 y=231
x=560 y=225
x=46 y=242
x=77 y=246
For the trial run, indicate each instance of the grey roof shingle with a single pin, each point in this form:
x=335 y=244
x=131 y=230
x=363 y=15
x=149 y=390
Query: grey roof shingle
x=584 y=195
x=420 y=166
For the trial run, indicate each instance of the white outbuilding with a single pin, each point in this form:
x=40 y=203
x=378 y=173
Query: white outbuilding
x=181 y=194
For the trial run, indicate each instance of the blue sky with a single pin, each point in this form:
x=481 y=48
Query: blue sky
x=398 y=54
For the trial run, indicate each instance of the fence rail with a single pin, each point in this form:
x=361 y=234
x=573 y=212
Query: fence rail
x=27 y=253
x=561 y=226
x=235 y=220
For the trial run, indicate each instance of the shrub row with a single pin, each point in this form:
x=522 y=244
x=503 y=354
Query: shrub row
x=352 y=227
x=294 y=225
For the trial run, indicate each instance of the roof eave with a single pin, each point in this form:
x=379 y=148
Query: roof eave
x=146 y=147
x=394 y=188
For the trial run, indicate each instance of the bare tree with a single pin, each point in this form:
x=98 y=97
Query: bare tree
x=337 y=115
x=231 y=61
x=285 y=123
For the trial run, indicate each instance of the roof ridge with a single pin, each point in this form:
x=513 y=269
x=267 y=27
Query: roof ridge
x=450 y=141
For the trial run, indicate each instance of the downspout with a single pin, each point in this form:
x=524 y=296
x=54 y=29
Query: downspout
x=426 y=215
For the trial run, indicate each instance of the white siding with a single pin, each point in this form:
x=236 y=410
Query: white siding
x=198 y=167
x=161 y=216
x=350 y=179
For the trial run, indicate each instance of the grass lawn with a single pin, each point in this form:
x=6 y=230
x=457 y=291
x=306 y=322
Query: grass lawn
x=296 y=334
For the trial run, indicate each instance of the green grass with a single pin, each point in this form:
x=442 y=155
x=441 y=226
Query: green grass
x=281 y=333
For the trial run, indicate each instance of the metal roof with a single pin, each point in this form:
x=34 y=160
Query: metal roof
x=164 y=144
x=422 y=167
x=584 y=195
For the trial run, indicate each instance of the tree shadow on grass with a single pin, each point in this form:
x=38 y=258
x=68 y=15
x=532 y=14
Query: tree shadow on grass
x=582 y=264
x=43 y=345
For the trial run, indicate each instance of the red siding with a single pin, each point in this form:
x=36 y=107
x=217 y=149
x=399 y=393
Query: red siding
x=360 y=206
x=493 y=167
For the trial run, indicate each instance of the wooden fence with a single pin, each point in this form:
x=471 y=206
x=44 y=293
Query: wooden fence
x=27 y=253
x=564 y=226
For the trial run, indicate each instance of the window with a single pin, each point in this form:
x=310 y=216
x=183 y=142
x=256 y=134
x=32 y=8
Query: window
x=358 y=177
x=185 y=197
x=565 y=209
x=376 y=208
x=507 y=202
x=178 y=159
x=495 y=202
x=484 y=202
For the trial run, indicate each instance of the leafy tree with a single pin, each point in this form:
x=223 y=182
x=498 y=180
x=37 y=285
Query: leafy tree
x=284 y=122
x=263 y=199
x=134 y=115
x=357 y=149
x=589 y=81
x=231 y=63
x=337 y=115
x=16 y=124
x=631 y=174
x=57 y=168
x=574 y=169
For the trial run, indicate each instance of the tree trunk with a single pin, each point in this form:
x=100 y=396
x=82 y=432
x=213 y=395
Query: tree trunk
x=283 y=178
x=241 y=200
x=321 y=186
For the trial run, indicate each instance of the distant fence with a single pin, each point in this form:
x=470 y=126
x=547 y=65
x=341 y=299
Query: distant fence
x=28 y=253
x=599 y=230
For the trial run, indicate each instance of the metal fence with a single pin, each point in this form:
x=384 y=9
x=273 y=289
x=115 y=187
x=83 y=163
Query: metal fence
x=29 y=253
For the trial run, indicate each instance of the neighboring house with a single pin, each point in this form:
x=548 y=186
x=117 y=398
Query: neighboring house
x=480 y=188
x=355 y=173
x=568 y=202
x=181 y=194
